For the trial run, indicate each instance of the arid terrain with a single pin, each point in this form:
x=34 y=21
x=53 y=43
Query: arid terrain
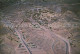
x=34 y=29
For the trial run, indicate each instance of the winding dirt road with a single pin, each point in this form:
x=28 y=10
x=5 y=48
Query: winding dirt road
x=53 y=35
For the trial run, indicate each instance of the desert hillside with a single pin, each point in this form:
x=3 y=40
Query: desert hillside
x=31 y=28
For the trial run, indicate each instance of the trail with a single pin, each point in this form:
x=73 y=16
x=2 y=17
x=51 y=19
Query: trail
x=68 y=50
x=53 y=35
x=22 y=40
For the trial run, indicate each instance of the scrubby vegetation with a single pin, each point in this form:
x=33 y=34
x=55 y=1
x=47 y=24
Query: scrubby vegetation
x=70 y=16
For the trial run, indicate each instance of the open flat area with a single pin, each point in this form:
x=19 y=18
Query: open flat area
x=39 y=29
